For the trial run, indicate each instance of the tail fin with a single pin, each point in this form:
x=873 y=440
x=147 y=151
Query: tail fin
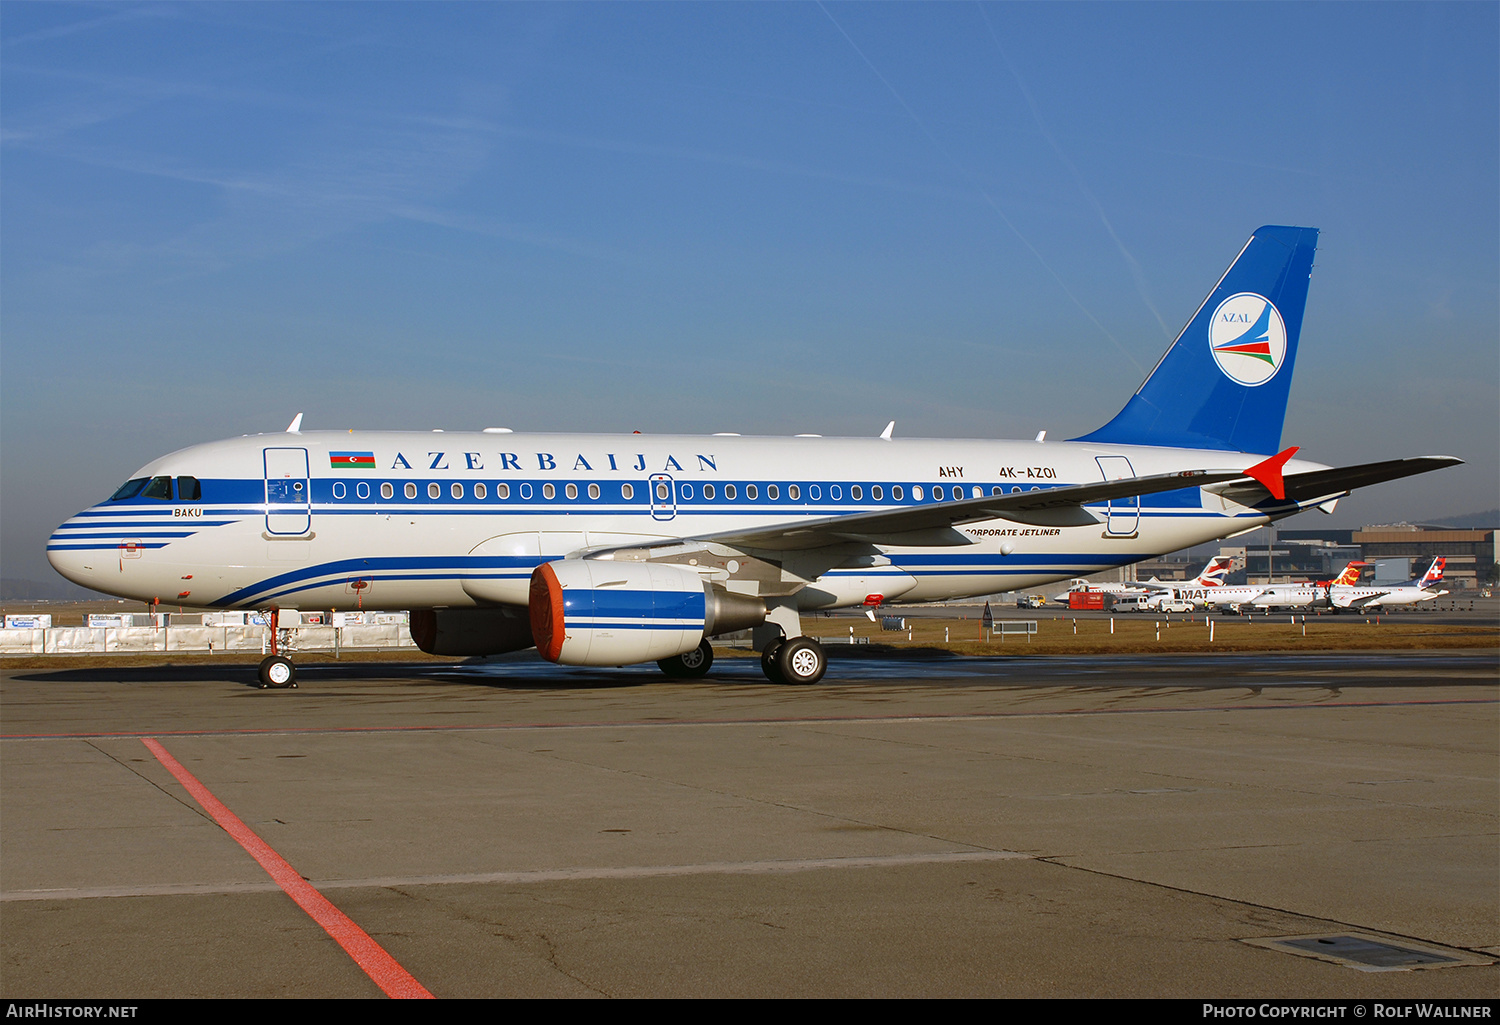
x=1213 y=574
x=1223 y=383
x=1434 y=574
x=1350 y=576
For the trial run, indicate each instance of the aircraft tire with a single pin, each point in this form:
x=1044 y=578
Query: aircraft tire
x=801 y=661
x=277 y=672
x=768 y=664
x=690 y=665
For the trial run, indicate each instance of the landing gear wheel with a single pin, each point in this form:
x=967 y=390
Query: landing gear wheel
x=768 y=661
x=690 y=664
x=801 y=661
x=278 y=672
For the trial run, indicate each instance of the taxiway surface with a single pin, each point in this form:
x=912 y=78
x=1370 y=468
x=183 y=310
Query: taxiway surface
x=1124 y=826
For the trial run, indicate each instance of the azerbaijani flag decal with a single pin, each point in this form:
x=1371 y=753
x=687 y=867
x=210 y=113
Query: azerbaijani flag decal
x=351 y=460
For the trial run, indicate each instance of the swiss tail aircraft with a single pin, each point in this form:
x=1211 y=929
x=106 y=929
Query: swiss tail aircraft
x=1347 y=594
x=607 y=550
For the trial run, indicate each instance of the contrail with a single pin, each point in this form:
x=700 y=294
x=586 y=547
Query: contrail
x=982 y=191
x=1135 y=267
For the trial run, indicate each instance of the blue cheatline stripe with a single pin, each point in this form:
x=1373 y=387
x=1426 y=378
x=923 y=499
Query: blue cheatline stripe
x=637 y=625
x=445 y=567
x=580 y=604
x=164 y=522
x=131 y=534
x=102 y=548
x=485 y=567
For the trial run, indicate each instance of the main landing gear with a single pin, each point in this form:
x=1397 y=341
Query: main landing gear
x=796 y=660
x=690 y=665
x=276 y=670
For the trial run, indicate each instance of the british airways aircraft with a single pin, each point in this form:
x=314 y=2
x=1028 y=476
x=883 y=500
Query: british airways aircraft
x=609 y=550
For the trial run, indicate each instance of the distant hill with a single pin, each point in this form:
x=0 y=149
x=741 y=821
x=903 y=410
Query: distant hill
x=1487 y=520
x=15 y=589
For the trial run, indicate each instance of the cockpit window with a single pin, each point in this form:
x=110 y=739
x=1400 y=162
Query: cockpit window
x=189 y=490
x=160 y=487
x=129 y=489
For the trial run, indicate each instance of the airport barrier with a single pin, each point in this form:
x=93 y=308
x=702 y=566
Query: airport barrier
x=1005 y=627
x=98 y=640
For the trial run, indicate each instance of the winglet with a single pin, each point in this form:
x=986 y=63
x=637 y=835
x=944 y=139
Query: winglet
x=1268 y=472
x=295 y=427
x=885 y=435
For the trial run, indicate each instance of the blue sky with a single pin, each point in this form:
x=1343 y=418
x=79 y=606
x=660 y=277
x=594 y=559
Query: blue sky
x=979 y=220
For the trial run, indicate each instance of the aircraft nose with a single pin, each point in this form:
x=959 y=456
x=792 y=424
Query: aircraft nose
x=73 y=559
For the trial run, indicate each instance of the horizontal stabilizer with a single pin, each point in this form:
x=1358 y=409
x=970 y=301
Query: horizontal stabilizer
x=1304 y=488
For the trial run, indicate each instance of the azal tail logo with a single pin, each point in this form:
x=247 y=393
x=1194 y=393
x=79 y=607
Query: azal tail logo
x=1248 y=339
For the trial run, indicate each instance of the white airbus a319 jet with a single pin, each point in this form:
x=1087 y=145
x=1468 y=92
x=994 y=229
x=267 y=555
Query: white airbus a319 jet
x=616 y=549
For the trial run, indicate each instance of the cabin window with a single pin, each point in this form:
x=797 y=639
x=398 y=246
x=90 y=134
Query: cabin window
x=977 y=491
x=481 y=492
x=160 y=487
x=916 y=492
x=729 y=492
x=525 y=491
x=502 y=490
x=549 y=492
x=856 y=492
x=773 y=492
x=386 y=491
x=752 y=492
x=457 y=491
x=686 y=490
x=189 y=490
x=793 y=492
x=362 y=490
x=708 y=491
x=338 y=489
x=937 y=492
x=433 y=491
x=593 y=491
x=897 y=493
x=877 y=492
x=835 y=492
x=1015 y=491
x=129 y=489
x=627 y=491
x=410 y=490
x=997 y=490
x=814 y=492
x=572 y=490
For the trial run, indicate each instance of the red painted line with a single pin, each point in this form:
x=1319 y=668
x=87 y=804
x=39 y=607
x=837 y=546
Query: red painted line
x=369 y=955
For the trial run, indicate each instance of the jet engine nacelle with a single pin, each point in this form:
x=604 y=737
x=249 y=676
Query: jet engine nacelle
x=588 y=612
x=492 y=631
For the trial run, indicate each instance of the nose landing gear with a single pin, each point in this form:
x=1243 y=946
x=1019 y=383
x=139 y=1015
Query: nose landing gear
x=276 y=670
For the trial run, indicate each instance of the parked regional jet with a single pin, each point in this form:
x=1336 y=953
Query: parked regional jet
x=609 y=550
x=1344 y=594
x=1212 y=576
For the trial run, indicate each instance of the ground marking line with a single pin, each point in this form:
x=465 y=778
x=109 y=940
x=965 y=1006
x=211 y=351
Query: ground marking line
x=540 y=875
x=371 y=957
x=810 y=720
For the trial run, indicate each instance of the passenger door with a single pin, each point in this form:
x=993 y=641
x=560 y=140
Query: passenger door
x=288 y=492
x=1124 y=513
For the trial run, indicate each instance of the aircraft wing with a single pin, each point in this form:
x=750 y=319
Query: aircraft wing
x=1359 y=603
x=932 y=525
x=1315 y=485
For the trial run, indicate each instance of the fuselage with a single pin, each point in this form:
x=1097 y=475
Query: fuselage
x=420 y=520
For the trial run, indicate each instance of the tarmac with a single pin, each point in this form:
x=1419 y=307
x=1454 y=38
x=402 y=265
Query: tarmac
x=1162 y=826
